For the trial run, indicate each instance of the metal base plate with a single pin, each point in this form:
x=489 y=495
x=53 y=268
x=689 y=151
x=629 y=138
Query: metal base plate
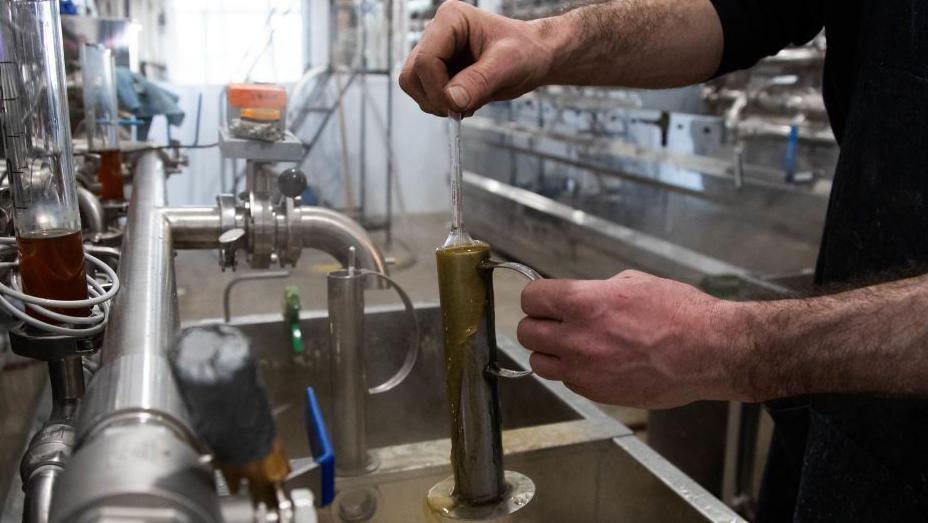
x=444 y=506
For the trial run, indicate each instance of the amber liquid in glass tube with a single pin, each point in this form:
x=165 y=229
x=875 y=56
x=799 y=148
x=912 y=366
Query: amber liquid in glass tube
x=51 y=264
x=110 y=175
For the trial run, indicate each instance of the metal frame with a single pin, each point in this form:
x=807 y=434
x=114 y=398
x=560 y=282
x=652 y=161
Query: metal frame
x=359 y=73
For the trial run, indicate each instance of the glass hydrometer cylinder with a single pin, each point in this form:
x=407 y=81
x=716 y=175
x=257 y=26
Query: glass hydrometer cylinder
x=101 y=109
x=101 y=116
x=39 y=159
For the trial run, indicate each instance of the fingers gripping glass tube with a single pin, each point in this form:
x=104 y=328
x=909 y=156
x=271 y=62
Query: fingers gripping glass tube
x=37 y=143
x=101 y=116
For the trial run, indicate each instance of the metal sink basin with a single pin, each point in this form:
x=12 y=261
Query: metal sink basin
x=586 y=466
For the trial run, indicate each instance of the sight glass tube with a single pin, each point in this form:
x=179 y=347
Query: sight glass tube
x=39 y=161
x=101 y=116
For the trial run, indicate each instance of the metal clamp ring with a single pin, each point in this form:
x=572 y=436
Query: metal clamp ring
x=412 y=354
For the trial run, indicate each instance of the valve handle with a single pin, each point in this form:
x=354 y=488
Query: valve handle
x=292 y=183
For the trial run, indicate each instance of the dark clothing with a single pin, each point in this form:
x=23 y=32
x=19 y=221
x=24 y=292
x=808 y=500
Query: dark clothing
x=844 y=457
x=758 y=28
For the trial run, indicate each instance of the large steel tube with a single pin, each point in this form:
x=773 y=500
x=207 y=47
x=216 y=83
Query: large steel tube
x=135 y=379
x=194 y=227
x=135 y=447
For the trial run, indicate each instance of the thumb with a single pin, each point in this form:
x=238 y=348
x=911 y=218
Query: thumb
x=480 y=83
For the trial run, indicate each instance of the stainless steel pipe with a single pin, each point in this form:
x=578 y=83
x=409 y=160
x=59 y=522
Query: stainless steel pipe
x=38 y=495
x=134 y=438
x=135 y=447
x=50 y=449
x=335 y=233
x=316 y=228
x=91 y=210
x=194 y=227
x=134 y=380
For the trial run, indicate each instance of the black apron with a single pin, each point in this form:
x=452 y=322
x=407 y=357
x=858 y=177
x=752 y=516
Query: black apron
x=855 y=458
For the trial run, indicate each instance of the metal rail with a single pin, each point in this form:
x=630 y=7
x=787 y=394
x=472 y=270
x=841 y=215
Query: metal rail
x=227 y=292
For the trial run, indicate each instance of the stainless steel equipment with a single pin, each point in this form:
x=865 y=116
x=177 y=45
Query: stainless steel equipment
x=349 y=343
x=134 y=438
x=133 y=416
x=586 y=466
x=737 y=171
x=480 y=488
x=346 y=329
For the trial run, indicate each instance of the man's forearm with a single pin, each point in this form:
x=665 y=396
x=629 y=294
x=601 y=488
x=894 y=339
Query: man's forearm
x=870 y=340
x=634 y=43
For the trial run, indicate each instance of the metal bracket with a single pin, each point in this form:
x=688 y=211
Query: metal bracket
x=50 y=347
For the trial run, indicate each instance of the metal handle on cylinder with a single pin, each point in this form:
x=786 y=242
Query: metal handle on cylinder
x=532 y=275
x=412 y=353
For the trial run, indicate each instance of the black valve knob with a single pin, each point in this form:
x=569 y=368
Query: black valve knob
x=292 y=183
x=218 y=378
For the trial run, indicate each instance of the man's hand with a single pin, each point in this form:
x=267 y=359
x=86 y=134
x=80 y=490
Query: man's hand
x=634 y=340
x=468 y=57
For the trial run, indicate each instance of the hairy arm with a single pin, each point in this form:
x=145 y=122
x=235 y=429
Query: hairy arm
x=635 y=43
x=644 y=341
x=870 y=340
x=468 y=57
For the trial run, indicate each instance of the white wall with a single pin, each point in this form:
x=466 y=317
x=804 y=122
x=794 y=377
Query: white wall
x=420 y=140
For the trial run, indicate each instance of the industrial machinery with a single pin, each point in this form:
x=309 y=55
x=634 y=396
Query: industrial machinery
x=156 y=420
x=731 y=177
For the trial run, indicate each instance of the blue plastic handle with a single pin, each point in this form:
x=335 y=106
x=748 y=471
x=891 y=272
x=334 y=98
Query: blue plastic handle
x=320 y=446
x=67 y=7
x=789 y=161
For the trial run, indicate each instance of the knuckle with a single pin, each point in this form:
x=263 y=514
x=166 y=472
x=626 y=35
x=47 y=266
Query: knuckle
x=523 y=332
x=480 y=79
x=577 y=303
x=448 y=6
x=405 y=82
x=539 y=368
x=529 y=296
x=419 y=62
